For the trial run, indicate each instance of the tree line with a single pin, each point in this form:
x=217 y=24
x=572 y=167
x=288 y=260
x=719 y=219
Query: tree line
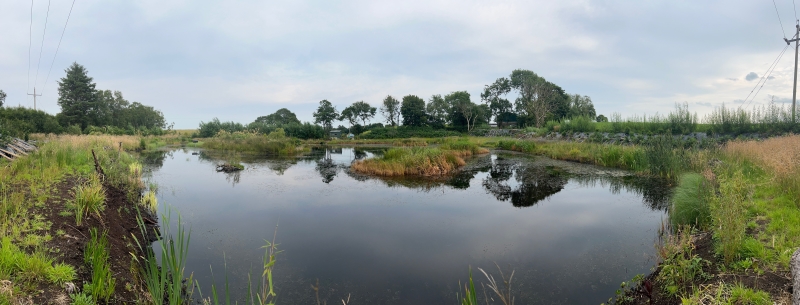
x=537 y=102
x=84 y=109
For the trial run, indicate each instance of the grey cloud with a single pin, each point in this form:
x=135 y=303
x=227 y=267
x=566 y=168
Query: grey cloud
x=751 y=76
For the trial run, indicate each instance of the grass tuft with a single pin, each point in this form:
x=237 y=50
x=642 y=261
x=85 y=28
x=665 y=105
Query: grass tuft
x=690 y=202
x=89 y=198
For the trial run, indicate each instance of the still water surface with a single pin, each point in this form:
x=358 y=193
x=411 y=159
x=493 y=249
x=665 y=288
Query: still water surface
x=571 y=232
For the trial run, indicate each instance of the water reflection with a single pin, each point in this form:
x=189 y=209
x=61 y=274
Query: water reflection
x=410 y=241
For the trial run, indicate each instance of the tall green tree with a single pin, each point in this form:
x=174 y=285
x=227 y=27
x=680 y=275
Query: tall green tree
x=454 y=100
x=325 y=115
x=538 y=99
x=580 y=105
x=413 y=110
x=349 y=115
x=438 y=111
x=280 y=117
x=390 y=109
x=77 y=98
x=364 y=111
x=493 y=97
x=2 y=98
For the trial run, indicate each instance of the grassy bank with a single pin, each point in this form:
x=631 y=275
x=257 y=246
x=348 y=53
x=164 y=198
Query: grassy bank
x=422 y=161
x=56 y=200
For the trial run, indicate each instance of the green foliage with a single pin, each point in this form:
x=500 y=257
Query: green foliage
x=727 y=294
x=96 y=255
x=281 y=117
x=2 y=98
x=19 y=121
x=690 y=202
x=413 y=110
x=325 y=115
x=407 y=132
x=213 y=127
x=82 y=299
x=517 y=145
x=679 y=266
x=728 y=215
x=470 y=295
x=165 y=282
x=769 y=119
x=664 y=157
x=580 y=106
x=276 y=143
x=61 y=273
x=301 y=131
x=390 y=109
x=76 y=96
x=438 y=111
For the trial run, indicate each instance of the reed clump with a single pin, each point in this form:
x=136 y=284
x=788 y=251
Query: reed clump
x=419 y=161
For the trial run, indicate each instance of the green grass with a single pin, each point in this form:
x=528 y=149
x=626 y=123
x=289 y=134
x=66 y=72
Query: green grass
x=97 y=257
x=276 y=143
x=690 y=202
x=165 y=282
x=422 y=161
x=90 y=198
x=726 y=294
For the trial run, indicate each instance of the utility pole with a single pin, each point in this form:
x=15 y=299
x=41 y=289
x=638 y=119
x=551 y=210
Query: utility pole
x=796 y=41
x=35 y=95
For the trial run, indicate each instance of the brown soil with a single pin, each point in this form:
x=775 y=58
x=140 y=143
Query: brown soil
x=777 y=283
x=118 y=219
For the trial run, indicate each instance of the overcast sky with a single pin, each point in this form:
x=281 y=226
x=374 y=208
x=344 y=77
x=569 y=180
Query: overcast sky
x=237 y=60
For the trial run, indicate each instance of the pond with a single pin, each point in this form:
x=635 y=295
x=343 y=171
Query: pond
x=570 y=232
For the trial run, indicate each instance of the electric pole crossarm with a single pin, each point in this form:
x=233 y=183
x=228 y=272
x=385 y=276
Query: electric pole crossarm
x=34 y=97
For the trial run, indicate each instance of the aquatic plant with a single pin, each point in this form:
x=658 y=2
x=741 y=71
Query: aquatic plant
x=164 y=283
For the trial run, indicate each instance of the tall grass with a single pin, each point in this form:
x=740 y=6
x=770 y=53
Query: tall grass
x=276 y=143
x=89 y=198
x=690 y=202
x=96 y=255
x=779 y=155
x=728 y=214
x=422 y=161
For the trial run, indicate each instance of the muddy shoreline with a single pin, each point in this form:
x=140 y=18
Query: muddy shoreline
x=69 y=240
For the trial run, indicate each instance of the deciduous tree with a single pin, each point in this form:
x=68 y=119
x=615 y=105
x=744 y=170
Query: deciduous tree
x=413 y=110
x=391 y=110
x=438 y=111
x=325 y=115
x=281 y=117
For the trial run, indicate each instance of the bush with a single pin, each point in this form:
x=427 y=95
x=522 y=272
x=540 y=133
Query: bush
x=517 y=145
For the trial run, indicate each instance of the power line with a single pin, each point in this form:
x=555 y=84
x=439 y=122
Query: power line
x=59 y=45
x=764 y=76
x=779 y=17
x=795 y=11
x=30 y=41
x=39 y=63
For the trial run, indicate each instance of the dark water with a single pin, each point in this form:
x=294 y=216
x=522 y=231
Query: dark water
x=571 y=232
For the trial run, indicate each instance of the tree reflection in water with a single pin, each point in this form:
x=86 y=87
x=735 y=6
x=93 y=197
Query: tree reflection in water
x=534 y=183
